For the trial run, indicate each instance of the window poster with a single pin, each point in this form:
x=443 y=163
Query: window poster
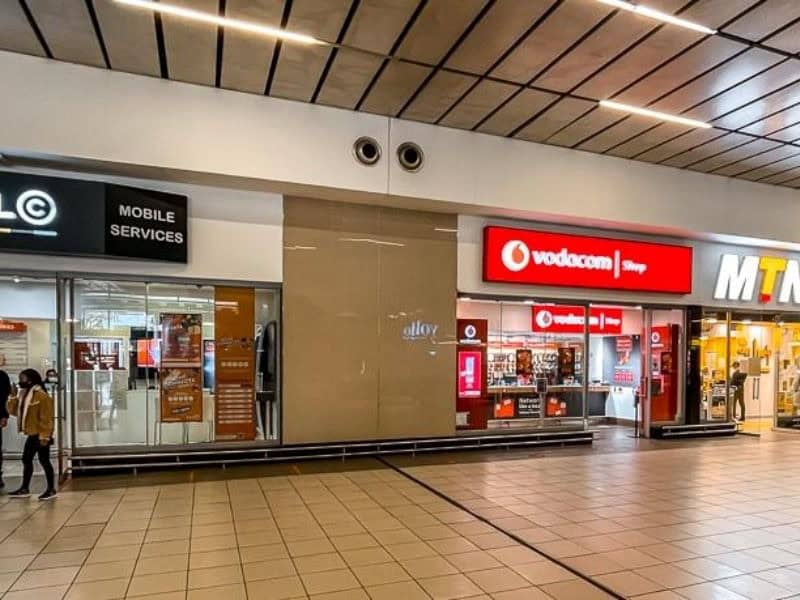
x=182 y=340
x=181 y=367
x=234 y=363
x=181 y=395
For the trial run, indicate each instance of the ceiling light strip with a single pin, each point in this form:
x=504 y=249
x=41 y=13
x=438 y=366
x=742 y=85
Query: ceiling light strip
x=203 y=17
x=653 y=114
x=652 y=13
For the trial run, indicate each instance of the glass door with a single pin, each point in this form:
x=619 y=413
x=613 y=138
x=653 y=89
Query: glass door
x=754 y=370
x=661 y=391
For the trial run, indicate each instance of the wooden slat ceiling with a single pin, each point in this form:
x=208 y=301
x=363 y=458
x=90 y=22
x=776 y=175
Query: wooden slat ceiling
x=532 y=70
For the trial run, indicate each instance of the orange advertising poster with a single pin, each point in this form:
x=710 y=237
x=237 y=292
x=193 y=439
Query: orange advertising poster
x=234 y=360
x=182 y=340
x=181 y=395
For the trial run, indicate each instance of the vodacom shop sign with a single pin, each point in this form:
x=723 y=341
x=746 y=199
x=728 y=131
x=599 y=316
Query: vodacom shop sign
x=543 y=258
x=570 y=319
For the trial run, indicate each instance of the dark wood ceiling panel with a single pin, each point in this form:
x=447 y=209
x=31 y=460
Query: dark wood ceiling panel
x=766 y=106
x=763 y=20
x=191 y=46
x=789 y=134
x=555 y=35
x=300 y=67
x=437 y=28
x=692 y=63
x=608 y=41
x=441 y=92
x=130 y=37
x=711 y=149
x=778 y=76
x=588 y=125
x=503 y=25
x=618 y=133
x=375 y=28
x=658 y=134
x=777 y=169
x=67 y=28
x=484 y=97
x=715 y=13
x=394 y=87
x=246 y=57
x=780 y=177
x=769 y=153
x=776 y=124
x=660 y=46
x=682 y=143
x=514 y=112
x=717 y=81
x=788 y=39
x=553 y=119
x=16 y=34
x=751 y=148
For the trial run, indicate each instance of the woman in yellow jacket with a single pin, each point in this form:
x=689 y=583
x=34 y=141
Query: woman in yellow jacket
x=35 y=414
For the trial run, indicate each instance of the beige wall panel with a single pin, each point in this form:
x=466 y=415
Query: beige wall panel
x=354 y=278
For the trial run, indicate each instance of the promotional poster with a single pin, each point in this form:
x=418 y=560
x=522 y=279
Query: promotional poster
x=181 y=395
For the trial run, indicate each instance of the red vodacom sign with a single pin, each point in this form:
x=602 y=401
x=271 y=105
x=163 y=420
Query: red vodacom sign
x=570 y=319
x=544 y=258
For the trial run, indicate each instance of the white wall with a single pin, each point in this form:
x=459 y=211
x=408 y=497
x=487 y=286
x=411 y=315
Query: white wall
x=54 y=109
x=27 y=300
x=233 y=235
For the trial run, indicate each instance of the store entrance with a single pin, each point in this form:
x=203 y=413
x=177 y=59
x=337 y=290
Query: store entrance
x=530 y=364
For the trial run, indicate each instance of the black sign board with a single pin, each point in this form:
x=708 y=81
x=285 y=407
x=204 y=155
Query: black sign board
x=51 y=215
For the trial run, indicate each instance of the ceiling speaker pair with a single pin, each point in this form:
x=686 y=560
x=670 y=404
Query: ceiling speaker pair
x=368 y=152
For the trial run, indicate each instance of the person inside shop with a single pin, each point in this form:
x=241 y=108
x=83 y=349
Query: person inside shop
x=5 y=392
x=737 y=383
x=35 y=412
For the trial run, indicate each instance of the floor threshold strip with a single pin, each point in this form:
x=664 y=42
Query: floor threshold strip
x=513 y=536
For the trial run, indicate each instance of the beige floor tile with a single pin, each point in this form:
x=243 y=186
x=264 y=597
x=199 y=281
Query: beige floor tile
x=669 y=576
x=6 y=581
x=455 y=545
x=631 y=558
x=45 y=578
x=115 y=554
x=269 y=569
x=345 y=595
x=629 y=583
x=47 y=593
x=165 y=596
x=593 y=564
x=276 y=589
x=162 y=564
x=366 y=556
x=428 y=566
x=215 y=558
x=354 y=542
x=406 y=590
x=373 y=575
x=160 y=583
x=516 y=555
x=215 y=529
x=708 y=591
x=449 y=587
x=576 y=589
x=215 y=576
x=543 y=572
x=478 y=560
x=108 y=540
x=74 y=558
x=15 y=564
x=319 y=562
x=111 y=589
x=102 y=571
x=264 y=552
x=755 y=588
x=410 y=550
x=165 y=548
x=498 y=580
x=167 y=534
x=224 y=592
x=329 y=581
x=528 y=593
x=212 y=542
x=663 y=595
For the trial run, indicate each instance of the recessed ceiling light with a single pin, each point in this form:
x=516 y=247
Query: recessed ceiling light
x=646 y=11
x=653 y=113
x=196 y=15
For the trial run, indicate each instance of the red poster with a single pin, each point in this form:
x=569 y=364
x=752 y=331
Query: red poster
x=147 y=353
x=182 y=340
x=95 y=355
x=660 y=337
x=470 y=374
x=13 y=326
x=624 y=343
x=544 y=258
x=570 y=319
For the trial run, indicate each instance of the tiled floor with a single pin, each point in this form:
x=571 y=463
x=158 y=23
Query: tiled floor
x=366 y=534
x=716 y=521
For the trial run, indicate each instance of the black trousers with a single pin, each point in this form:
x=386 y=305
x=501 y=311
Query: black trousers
x=1 y=453
x=34 y=448
x=739 y=399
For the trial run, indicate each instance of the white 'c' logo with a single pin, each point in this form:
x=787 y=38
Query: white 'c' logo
x=36 y=207
x=515 y=255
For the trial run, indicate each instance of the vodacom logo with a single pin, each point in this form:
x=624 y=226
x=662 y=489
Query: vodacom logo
x=515 y=255
x=544 y=318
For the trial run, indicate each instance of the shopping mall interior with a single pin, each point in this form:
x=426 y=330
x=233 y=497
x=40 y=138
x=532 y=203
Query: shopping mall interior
x=399 y=299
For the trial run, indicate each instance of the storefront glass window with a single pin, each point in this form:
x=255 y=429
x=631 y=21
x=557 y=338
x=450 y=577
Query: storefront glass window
x=173 y=364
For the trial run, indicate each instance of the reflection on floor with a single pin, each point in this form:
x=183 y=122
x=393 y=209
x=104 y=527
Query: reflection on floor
x=757 y=426
x=644 y=519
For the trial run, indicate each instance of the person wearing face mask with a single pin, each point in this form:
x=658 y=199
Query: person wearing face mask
x=5 y=392
x=35 y=412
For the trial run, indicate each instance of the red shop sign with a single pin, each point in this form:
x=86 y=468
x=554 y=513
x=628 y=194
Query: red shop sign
x=543 y=258
x=570 y=319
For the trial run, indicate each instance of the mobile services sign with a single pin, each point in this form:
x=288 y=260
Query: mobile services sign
x=529 y=257
x=51 y=215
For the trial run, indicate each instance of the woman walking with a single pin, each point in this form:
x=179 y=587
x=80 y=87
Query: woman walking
x=35 y=414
